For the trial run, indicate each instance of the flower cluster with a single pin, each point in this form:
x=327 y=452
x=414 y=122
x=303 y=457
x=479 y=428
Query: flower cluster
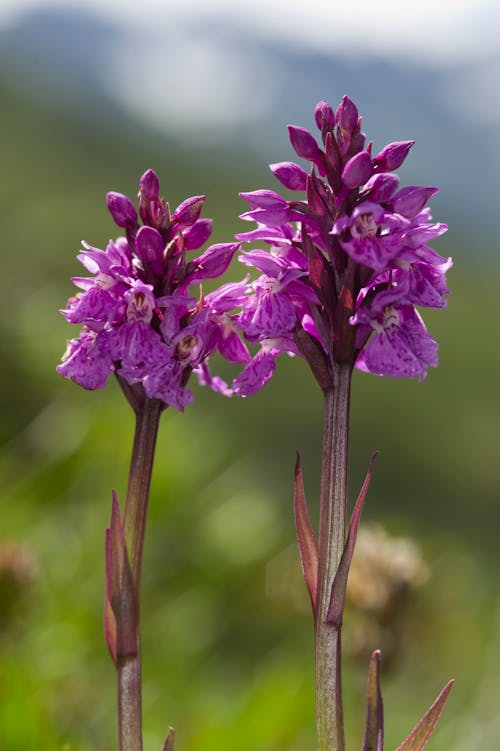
x=346 y=267
x=139 y=319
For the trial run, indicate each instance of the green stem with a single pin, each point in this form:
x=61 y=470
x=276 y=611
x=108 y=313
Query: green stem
x=136 y=506
x=332 y=530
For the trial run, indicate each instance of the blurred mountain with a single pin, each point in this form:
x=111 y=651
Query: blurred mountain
x=226 y=95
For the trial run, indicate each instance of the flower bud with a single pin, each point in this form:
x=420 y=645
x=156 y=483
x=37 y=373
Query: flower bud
x=149 y=185
x=381 y=187
x=324 y=116
x=187 y=213
x=304 y=143
x=150 y=247
x=264 y=199
x=290 y=175
x=393 y=155
x=197 y=234
x=121 y=209
x=347 y=115
x=411 y=200
x=358 y=170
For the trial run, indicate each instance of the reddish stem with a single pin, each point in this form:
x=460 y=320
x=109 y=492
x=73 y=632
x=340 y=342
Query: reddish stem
x=332 y=530
x=136 y=506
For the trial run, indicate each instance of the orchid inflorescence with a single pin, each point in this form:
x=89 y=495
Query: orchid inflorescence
x=139 y=318
x=340 y=279
x=338 y=283
x=346 y=267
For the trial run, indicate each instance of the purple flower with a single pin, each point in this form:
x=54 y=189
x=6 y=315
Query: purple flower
x=260 y=369
x=87 y=361
x=139 y=317
x=344 y=268
x=400 y=345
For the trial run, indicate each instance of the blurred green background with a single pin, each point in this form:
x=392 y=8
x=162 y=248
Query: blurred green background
x=227 y=635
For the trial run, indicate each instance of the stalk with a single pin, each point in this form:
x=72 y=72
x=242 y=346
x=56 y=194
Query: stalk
x=332 y=531
x=134 y=523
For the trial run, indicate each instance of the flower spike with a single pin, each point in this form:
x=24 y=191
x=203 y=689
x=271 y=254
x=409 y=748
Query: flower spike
x=308 y=546
x=356 y=240
x=139 y=319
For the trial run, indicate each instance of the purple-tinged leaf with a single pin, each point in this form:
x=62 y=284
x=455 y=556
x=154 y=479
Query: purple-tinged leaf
x=314 y=353
x=315 y=196
x=321 y=277
x=422 y=731
x=339 y=586
x=374 y=729
x=308 y=546
x=358 y=140
x=332 y=160
x=168 y=745
x=120 y=613
x=109 y=616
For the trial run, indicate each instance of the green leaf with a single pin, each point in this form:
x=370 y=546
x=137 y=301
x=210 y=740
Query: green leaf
x=168 y=745
x=422 y=731
x=308 y=546
x=374 y=728
x=339 y=586
x=120 y=608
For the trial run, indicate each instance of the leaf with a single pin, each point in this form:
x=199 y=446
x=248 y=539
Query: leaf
x=109 y=616
x=339 y=586
x=308 y=546
x=374 y=728
x=120 y=609
x=422 y=731
x=168 y=745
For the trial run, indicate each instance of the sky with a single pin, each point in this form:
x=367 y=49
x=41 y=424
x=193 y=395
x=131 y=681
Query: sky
x=223 y=72
x=448 y=31
x=192 y=71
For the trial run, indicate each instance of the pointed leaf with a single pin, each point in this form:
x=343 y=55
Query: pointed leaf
x=374 y=728
x=169 y=741
x=422 y=731
x=109 y=616
x=313 y=352
x=308 y=546
x=120 y=613
x=339 y=586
